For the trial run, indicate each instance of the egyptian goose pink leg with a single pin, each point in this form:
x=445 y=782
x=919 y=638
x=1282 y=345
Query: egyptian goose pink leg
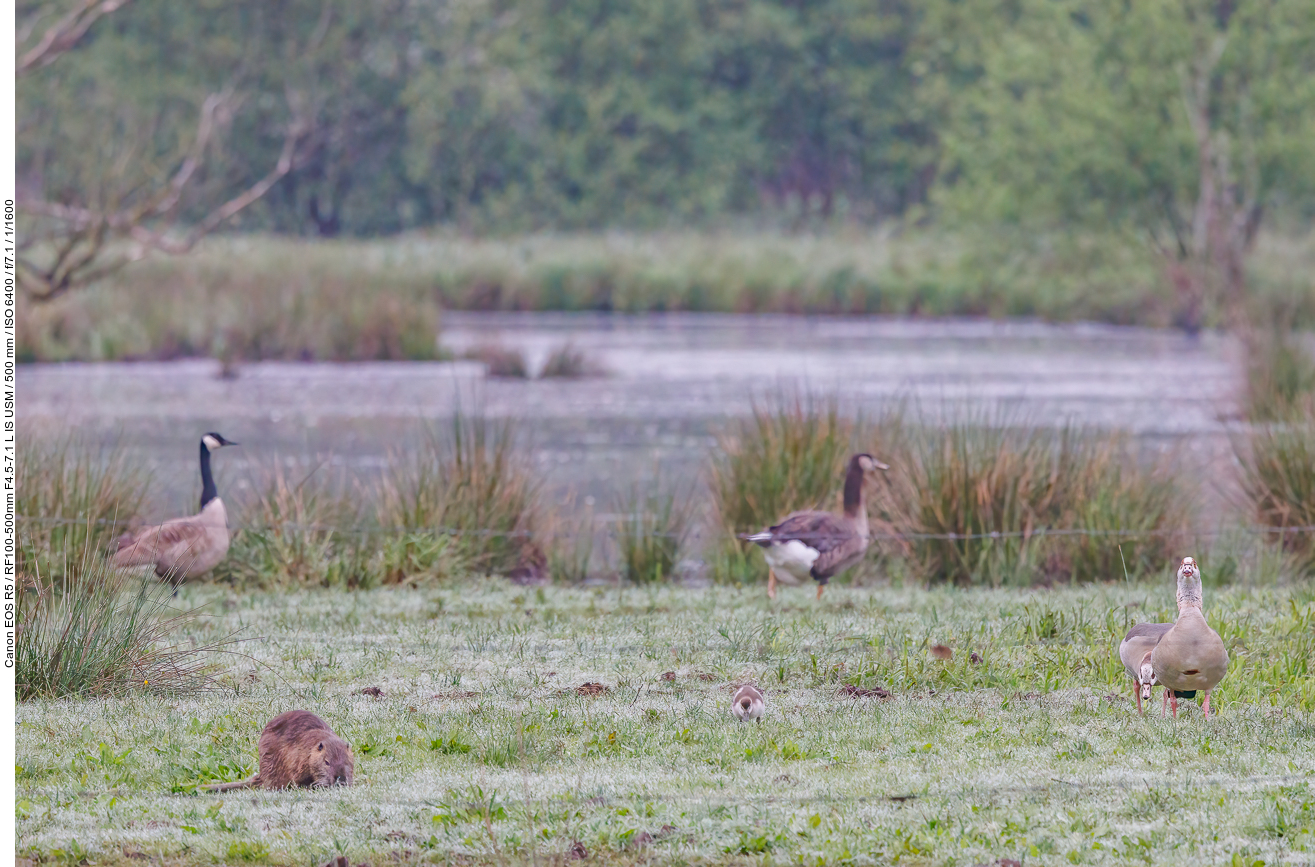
x=1205 y=706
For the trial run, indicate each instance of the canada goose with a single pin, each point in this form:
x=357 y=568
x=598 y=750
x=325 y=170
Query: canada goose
x=1134 y=653
x=1190 y=655
x=183 y=548
x=747 y=705
x=820 y=544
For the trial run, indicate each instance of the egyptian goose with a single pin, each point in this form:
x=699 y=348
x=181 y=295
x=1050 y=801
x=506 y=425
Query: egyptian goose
x=183 y=548
x=1135 y=652
x=820 y=545
x=748 y=704
x=1190 y=655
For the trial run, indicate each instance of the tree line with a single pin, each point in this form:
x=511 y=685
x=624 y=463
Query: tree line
x=150 y=122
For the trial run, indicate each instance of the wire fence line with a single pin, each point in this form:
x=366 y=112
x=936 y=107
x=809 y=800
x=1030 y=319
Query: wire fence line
x=607 y=522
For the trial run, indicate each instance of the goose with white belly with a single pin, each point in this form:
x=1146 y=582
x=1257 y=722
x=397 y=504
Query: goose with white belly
x=820 y=545
x=1190 y=655
x=183 y=548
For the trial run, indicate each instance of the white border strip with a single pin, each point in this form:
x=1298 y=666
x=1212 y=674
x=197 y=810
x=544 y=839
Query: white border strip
x=8 y=244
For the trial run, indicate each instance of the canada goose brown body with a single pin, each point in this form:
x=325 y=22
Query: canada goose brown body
x=1190 y=655
x=820 y=545
x=183 y=548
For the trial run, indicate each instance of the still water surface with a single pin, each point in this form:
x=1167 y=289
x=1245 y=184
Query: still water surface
x=672 y=381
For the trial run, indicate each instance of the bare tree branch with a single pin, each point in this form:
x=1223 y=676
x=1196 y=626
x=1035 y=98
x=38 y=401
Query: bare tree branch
x=65 y=33
x=80 y=253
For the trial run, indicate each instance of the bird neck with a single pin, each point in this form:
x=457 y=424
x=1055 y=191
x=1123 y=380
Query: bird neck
x=854 y=506
x=1187 y=606
x=208 y=491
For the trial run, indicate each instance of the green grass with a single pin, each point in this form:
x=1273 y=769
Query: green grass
x=481 y=752
x=252 y=297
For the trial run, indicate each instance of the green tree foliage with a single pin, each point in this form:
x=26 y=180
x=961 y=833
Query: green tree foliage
x=1183 y=121
x=492 y=113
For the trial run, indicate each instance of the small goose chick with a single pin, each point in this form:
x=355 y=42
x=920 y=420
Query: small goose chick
x=748 y=705
x=1134 y=653
x=820 y=545
x=1190 y=655
x=183 y=548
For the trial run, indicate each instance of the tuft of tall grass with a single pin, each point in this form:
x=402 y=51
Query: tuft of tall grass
x=476 y=484
x=570 y=533
x=300 y=529
x=568 y=362
x=650 y=530
x=72 y=500
x=1278 y=479
x=788 y=454
x=105 y=634
x=1280 y=377
x=996 y=489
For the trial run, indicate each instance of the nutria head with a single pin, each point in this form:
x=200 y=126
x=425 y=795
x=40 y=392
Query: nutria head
x=330 y=761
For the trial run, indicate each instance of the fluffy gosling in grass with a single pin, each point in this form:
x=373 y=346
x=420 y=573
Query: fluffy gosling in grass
x=748 y=705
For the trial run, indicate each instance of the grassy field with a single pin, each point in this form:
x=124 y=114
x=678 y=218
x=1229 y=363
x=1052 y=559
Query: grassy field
x=267 y=297
x=481 y=749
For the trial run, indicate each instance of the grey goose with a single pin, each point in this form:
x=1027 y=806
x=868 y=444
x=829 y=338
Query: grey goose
x=820 y=545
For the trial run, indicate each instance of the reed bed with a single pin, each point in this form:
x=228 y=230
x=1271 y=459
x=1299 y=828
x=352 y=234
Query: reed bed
x=256 y=297
x=1000 y=487
x=975 y=501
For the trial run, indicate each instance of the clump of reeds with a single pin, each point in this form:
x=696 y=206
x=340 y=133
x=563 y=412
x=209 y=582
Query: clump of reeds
x=568 y=532
x=500 y=360
x=299 y=528
x=1278 y=480
x=72 y=501
x=650 y=529
x=105 y=634
x=992 y=493
x=788 y=454
x=475 y=484
x=1280 y=377
x=568 y=362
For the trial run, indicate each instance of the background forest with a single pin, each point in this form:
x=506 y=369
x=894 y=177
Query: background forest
x=1113 y=161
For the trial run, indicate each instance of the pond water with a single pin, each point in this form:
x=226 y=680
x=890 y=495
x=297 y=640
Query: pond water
x=672 y=380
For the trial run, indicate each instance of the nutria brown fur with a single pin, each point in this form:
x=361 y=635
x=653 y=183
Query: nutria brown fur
x=298 y=748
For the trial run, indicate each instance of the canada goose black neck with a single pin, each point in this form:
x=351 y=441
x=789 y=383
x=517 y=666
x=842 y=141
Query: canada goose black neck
x=853 y=489
x=208 y=491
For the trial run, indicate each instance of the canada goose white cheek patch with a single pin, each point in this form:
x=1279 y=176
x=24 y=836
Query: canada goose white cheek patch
x=210 y=442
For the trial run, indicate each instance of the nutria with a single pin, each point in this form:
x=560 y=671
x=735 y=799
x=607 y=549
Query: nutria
x=298 y=748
